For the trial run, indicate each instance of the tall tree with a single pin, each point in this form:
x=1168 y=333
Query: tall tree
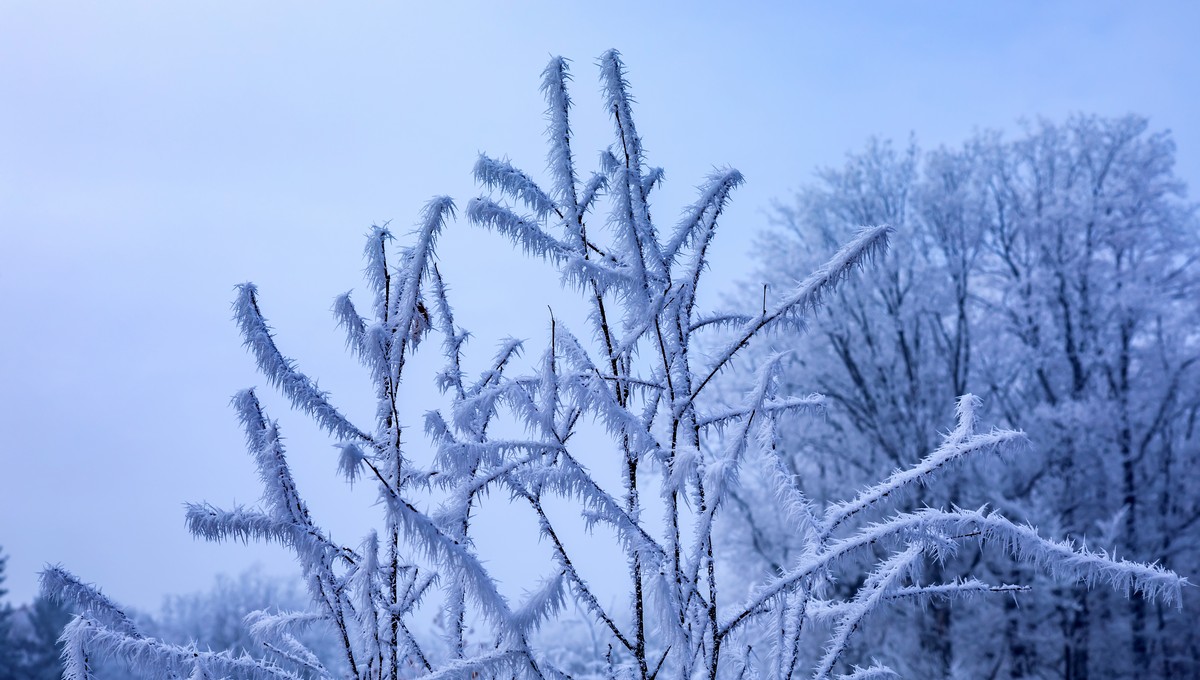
x=1055 y=274
x=1093 y=269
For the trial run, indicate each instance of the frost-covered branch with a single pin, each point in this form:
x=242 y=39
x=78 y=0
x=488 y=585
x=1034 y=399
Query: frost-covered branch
x=281 y=371
x=806 y=296
x=634 y=393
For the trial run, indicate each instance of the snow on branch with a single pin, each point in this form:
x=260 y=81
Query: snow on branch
x=823 y=610
x=85 y=600
x=714 y=195
x=496 y=174
x=243 y=524
x=872 y=672
x=632 y=209
x=281 y=371
x=879 y=584
x=377 y=272
x=493 y=664
x=559 y=158
x=592 y=190
x=813 y=403
x=806 y=297
x=407 y=318
x=942 y=531
x=959 y=444
x=1068 y=561
x=150 y=657
x=540 y=604
x=456 y=561
x=355 y=326
x=525 y=233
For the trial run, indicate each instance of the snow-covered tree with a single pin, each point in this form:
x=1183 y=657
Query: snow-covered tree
x=8 y=648
x=1091 y=263
x=1054 y=274
x=644 y=369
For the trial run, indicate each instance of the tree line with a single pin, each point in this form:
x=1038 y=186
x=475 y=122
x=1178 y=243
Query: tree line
x=29 y=646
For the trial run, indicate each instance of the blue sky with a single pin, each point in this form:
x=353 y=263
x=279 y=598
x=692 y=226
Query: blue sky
x=152 y=155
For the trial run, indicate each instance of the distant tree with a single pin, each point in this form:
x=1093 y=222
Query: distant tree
x=645 y=369
x=216 y=618
x=1092 y=264
x=1055 y=274
x=9 y=659
x=40 y=648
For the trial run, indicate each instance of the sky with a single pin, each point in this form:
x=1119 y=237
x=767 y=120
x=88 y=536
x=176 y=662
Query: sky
x=153 y=155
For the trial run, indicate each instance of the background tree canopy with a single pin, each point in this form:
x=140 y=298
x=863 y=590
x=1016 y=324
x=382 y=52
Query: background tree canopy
x=1055 y=274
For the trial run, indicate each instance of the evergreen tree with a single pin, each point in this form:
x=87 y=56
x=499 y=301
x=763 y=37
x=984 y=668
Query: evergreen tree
x=9 y=658
x=41 y=649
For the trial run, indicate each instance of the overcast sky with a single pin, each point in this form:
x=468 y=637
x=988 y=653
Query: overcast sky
x=154 y=154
